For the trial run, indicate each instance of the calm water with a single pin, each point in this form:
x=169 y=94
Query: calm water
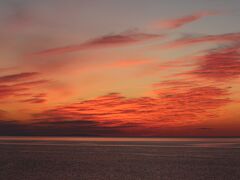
x=73 y=158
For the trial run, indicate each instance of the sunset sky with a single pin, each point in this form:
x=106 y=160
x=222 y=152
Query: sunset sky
x=120 y=67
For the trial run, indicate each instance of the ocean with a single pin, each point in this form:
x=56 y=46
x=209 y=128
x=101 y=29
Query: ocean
x=66 y=158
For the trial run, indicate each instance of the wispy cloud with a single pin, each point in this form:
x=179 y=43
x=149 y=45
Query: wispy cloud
x=18 y=77
x=113 y=40
x=191 y=40
x=36 y=99
x=20 y=86
x=179 y=22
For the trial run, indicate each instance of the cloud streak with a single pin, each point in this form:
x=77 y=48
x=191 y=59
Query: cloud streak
x=18 y=77
x=189 y=41
x=114 y=40
x=20 y=86
x=179 y=22
x=36 y=99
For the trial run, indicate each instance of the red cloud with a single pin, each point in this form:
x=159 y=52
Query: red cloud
x=179 y=22
x=186 y=107
x=20 y=85
x=220 y=65
x=105 y=41
x=177 y=103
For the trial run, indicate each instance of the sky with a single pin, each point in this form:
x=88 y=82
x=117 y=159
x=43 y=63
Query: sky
x=120 y=68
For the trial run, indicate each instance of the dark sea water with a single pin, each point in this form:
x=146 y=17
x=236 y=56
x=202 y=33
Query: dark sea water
x=119 y=158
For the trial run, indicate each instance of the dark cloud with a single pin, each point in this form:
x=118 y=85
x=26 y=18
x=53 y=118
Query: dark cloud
x=205 y=128
x=66 y=128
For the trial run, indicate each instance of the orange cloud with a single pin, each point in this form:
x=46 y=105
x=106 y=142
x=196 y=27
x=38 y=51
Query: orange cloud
x=185 y=107
x=2 y=114
x=177 y=104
